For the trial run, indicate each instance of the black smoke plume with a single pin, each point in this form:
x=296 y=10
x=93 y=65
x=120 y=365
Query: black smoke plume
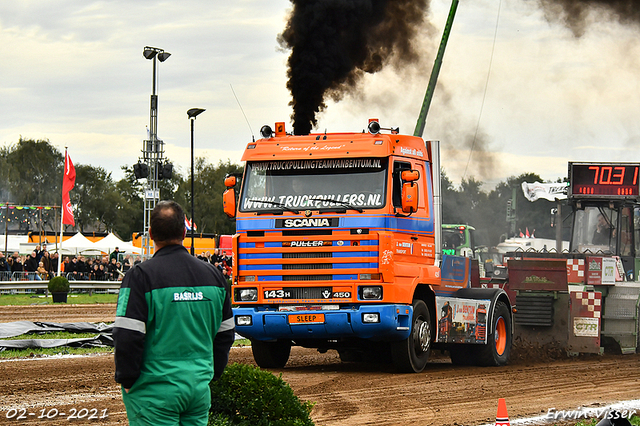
x=334 y=42
x=577 y=14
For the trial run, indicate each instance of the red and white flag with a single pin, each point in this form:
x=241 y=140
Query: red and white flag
x=68 y=182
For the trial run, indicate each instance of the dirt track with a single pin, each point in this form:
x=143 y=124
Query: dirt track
x=345 y=394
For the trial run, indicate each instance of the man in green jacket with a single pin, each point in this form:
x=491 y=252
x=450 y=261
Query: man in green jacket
x=173 y=329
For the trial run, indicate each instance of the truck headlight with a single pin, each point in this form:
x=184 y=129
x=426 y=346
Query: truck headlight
x=244 y=320
x=371 y=293
x=247 y=294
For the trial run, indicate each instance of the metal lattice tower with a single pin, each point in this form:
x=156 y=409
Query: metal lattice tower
x=152 y=152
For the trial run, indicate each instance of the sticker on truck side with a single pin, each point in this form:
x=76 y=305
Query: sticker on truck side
x=462 y=320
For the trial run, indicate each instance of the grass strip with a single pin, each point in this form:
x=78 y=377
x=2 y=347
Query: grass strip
x=72 y=299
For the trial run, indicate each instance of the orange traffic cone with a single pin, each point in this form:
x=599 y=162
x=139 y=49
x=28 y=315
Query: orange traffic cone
x=502 y=418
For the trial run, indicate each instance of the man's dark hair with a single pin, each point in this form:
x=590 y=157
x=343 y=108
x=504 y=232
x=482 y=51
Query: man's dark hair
x=167 y=221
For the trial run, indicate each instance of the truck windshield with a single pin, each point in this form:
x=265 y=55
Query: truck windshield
x=314 y=184
x=595 y=230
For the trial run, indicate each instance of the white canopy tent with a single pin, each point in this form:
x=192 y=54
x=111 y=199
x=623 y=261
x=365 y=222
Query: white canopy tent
x=13 y=243
x=110 y=242
x=76 y=244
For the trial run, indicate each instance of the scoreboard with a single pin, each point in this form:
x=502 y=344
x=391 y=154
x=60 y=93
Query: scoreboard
x=604 y=180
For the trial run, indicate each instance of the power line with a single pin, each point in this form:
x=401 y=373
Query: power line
x=484 y=96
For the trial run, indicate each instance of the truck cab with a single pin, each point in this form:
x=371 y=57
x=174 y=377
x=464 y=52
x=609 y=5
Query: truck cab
x=335 y=248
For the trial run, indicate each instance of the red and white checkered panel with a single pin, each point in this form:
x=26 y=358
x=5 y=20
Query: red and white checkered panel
x=588 y=303
x=575 y=271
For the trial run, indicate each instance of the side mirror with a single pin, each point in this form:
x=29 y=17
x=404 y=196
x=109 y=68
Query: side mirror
x=230 y=181
x=410 y=175
x=229 y=201
x=409 y=197
x=410 y=190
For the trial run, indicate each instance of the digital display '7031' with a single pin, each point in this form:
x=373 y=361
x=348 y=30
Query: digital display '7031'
x=614 y=180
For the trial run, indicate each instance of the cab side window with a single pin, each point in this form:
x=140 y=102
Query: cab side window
x=398 y=168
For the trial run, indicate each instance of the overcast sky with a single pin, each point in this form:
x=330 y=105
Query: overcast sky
x=72 y=72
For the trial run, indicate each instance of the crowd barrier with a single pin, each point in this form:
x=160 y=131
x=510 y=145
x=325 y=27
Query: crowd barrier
x=7 y=286
x=34 y=276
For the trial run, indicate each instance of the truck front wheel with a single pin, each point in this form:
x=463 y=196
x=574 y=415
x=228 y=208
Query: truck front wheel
x=498 y=347
x=411 y=354
x=271 y=354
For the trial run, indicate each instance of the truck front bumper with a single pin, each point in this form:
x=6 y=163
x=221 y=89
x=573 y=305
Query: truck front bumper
x=374 y=322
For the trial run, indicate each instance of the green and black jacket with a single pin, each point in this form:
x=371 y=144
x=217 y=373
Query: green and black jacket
x=173 y=309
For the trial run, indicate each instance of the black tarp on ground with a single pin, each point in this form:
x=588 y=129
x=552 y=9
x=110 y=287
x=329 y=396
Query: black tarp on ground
x=12 y=329
x=102 y=340
x=18 y=328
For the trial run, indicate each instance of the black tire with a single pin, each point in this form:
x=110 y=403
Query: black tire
x=411 y=354
x=498 y=348
x=271 y=354
x=463 y=354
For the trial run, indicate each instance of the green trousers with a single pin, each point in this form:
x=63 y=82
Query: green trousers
x=168 y=401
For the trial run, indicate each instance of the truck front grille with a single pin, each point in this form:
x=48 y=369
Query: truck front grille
x=307 y=278
x=307 y=256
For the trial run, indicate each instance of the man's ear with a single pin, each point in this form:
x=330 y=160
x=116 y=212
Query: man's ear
x=150 y=235
x=184 y=233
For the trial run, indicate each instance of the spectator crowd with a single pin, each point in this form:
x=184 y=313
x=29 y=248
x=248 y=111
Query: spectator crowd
x=41 y=265
x=219 y=260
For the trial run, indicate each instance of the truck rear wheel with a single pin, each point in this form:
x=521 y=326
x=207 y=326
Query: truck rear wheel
x=498 y=347
x=411 y=354
x=271 y=354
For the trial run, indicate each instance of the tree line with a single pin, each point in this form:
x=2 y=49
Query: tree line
x=31 y=174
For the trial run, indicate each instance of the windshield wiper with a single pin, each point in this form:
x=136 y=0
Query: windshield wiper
x=342 y=203
x=275 y=203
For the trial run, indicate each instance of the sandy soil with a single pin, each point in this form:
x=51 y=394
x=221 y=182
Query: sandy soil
x=344 y=393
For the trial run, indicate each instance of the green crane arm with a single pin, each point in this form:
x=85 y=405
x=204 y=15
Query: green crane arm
x=422 y=118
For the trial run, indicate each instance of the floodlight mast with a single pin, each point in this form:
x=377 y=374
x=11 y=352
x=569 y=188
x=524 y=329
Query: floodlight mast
x=152 y=151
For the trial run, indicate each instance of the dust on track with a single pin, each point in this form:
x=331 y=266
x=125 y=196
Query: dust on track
x=344 y=393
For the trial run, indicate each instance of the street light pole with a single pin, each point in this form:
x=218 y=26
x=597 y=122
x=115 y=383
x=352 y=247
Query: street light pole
x=192 y=114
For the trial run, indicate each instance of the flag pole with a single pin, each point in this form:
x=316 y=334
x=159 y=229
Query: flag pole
x=64 y=169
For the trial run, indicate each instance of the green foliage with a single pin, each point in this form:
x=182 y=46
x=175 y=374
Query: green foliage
x=216 y=419
x=58 y=284
x=208 y=188
x=248 y=396
x=32 y=172
x=95 y=201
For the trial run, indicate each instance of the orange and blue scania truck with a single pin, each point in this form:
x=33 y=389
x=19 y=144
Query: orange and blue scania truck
x=338 y=247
